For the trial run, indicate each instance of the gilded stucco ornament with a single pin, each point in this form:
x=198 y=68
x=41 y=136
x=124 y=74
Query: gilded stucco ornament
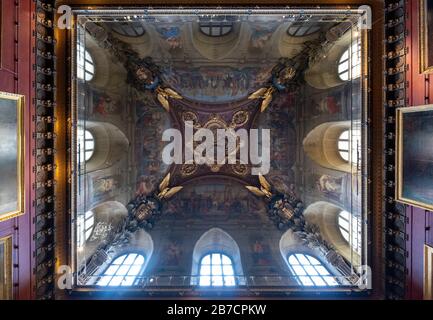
x=285 y=210
x=283 y=75
x=144 y=210
x=143 y=74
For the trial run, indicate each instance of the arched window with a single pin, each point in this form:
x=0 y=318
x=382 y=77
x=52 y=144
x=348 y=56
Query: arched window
x=86 y=144
x=349 y=66
x=309 y=271
x=216 y=270
x=349 y=145
x=85 y=65
x=85 y=225
x=216 y=26
x=123 y=271
x=351 y=229
x=128 y=29
x=302 y=29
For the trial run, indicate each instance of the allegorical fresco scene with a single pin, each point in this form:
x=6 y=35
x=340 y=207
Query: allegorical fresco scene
x=141 y=223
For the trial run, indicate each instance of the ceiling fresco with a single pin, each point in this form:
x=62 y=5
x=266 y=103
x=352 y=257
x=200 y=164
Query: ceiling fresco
x=238 y=80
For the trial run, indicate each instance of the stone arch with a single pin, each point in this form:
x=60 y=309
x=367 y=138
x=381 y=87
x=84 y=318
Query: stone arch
x=215 y=48
x=108 y=216
x=323 y=74
x=111 y=145
x=216 y=240
x=321 y=145
x=325 y=216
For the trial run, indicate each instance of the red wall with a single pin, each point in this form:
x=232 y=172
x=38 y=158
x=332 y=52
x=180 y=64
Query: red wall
x=16 y=76
x=420 y=222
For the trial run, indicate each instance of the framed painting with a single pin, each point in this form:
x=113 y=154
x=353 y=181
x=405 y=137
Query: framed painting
x=11 y=155
x=426 y=36
x=6 y=268
x=415 y=156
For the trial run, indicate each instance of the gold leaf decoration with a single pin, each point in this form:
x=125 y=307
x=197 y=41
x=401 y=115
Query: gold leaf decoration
x=171 y=192
x=267 y=100
x=258 y=94
x=265 y=184
x=172 y=94
x=162 y=194
x=163 y=101
x=165 y=182
x=256 y=191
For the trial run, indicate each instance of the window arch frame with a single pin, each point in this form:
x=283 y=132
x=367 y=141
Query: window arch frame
x=299 y=25
x=85 y=63
x=86 y=229
x=136 y=277
x=352 y=235
x=352 y=57
x=123 y=27
x=84 y=137
x=307 y=278
x=216 y=28
x=231 y=277
x=348 y=144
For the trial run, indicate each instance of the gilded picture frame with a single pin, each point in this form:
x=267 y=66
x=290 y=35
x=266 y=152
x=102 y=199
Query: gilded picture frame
x=6 y=268
x=428 y=272
x=414 y=158
x=426 y=33
x=11 y=156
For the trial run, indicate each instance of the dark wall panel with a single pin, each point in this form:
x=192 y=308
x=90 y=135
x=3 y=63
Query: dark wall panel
x=420 y=92
x=17 y=76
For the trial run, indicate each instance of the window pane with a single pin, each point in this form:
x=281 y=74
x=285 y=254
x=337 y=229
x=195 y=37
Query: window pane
x=116 y=281
x=306 y=281
x=216 y=269
x=119 y=260
x=330 y=281
x=205 y=270
x=128 y=281
x=216 y=259
x=205 y=280
x=206 y=260
x=135 y=270
x=293 y=260
x=130 y=259
x=318 y=281
x=322 y=271
x=217 y=281
x=226 y=260
x=302 y=259
x=343 y=67
x=123 y=270
x=229 y=281
x=345 y=55
x=350 y=60
x=313 y=260
x=228 y=270
x=309 y=271
x=139 y=260
x=104 y=281
x=85 y=66
x=299 y=271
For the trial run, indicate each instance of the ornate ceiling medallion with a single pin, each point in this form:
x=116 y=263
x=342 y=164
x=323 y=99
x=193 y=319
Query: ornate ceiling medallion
x=240 y=169
x=188 y=169
x=191 y=116
x=240 y=118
